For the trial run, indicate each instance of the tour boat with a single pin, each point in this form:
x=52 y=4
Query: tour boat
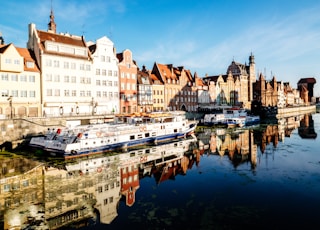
x=127 y=131
x=230 y=117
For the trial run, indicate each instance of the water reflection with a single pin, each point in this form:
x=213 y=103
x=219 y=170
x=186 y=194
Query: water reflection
x=81 y=191
x=84 y=191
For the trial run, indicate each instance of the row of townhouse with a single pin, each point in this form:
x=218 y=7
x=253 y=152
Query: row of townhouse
x=62 y=74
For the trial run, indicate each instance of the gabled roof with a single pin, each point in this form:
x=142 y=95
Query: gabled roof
x=28 y=56
x=61 y=38
x=4 y=47
x=143 y=77
x=120 y=57
x=66 y=39
x=199 y=81
x=167 y=72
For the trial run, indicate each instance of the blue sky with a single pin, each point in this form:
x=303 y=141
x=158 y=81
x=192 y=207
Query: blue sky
x=203 y=36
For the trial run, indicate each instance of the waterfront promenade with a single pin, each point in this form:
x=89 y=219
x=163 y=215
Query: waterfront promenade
x=17 y=130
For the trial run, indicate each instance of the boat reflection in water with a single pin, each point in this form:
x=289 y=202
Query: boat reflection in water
x=241 y=146
x=86 y=191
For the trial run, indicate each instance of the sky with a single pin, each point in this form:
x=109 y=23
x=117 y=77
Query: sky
x=204 y=36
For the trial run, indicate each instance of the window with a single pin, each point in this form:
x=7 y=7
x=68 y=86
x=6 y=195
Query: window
x=23 y=78
x=57 y=92
x=6 y=187
x=32 y=78
x=81 y=66
x=66 y=65
x=56 y=78
x=98 y=82
x=104 y=82
x=66 y=93
x=108 y=59
x=104 y=72
x=88 y=68
x=66 y=78
x=16 y=61
x=73 y=79
x=48 y=63
x=4 y=77
x=74 y=93
x=56 y=63
x=115 y=73
x=97 y=71
x=98 y=94
x=32 y=93
x=110 y=73
x=109 y=83
x=5 y=93
x=82 y=94
x=115 y=83
x=30 y=64
x=102 y=58
x=48 y=77
x=23 y=93
x=14 y=77
x=73 y=65
x=14 y=93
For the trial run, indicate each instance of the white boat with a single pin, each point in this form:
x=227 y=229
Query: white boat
x=42 y=141
x=129 y=131
x=232 y=116
x=252 y=120
x=235 y=122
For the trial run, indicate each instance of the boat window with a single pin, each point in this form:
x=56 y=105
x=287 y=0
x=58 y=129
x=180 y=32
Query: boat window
x=139 y=136
x=147 y=134
x=175 y=130
x=132 y=137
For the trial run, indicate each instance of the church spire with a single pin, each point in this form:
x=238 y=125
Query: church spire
x=52 y=25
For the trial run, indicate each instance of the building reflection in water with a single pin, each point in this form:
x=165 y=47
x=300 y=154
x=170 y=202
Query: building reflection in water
x=88 y=190
x=84 y=190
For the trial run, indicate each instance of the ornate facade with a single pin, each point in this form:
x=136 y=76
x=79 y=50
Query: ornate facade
x=235 y=87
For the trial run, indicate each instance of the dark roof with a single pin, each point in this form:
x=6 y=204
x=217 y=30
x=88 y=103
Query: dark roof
x=309 y=80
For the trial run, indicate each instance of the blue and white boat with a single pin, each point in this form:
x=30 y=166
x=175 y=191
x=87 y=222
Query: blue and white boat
x=128 y=131
x=231 y=117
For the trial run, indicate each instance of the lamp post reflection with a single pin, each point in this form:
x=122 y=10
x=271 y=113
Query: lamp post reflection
x=10 y=105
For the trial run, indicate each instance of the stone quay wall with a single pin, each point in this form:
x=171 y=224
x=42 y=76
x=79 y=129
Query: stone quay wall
x=295 y=111
x=18 y=130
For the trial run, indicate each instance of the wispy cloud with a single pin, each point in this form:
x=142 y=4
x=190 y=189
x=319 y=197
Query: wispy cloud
x=281 y=39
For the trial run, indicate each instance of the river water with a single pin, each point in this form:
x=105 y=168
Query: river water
x=263 y=177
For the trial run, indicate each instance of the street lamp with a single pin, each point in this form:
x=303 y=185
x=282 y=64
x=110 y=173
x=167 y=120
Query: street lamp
x=10 y=104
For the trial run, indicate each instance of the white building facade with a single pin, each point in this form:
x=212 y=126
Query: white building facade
x=19 y=83
x=106 y=76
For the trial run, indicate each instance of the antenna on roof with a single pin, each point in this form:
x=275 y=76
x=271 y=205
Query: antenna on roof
x=83 y=30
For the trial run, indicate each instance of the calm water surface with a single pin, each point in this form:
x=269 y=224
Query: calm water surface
x=267 y=177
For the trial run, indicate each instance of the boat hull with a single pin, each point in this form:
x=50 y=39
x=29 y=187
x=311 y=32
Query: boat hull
x=98 y=139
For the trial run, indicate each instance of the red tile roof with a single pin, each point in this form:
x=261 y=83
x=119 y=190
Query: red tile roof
x=63 y=39
x=28 y=57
